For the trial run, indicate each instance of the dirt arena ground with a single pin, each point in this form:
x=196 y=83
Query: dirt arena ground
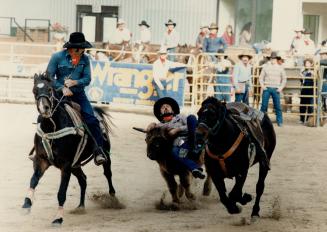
x=295 y=197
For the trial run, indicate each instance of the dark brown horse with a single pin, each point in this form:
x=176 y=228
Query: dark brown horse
x=120 y=52
x=159 y=147
x=227 y=153
x=57 y=142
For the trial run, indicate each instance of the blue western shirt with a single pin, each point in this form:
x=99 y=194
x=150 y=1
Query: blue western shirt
x=213 y=44
x=60 y=67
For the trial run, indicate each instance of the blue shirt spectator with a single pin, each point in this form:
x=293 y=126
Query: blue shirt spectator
x=213 y=43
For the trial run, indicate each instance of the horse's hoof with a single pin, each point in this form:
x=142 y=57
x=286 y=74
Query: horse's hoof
x=27 y=203
x=180 y=191
x=190 y=196
x=235 y=209
x=255 y=219
x=57 y=222
x=206 y=191
x=246 y=198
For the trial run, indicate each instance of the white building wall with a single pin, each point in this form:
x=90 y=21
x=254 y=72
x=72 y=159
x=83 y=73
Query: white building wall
x=321 y=10
x=226 y=15
x=287 y=15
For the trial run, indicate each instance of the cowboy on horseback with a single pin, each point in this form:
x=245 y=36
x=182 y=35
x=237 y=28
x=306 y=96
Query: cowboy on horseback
x=182 y=128
x=70 y=71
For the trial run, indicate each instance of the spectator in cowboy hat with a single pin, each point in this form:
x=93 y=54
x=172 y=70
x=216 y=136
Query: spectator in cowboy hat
x=73 y=63
x=309 y=46
x=170 y=39
x=272 y=81
x=122 y=34
x=202 y=35
x=242 y=78
x=297 y=40
x=145 y=33
x=182 y=128
x=161 y=67
x=213 y=43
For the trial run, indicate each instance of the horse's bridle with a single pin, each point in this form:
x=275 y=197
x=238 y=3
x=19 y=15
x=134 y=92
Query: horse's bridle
x=51 y=98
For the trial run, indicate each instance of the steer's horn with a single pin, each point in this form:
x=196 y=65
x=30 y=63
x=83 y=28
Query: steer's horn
x=140 y=129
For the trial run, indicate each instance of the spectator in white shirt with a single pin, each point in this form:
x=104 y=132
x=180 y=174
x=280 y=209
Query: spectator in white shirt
x=145 y=33
x=161 y=67
x=122 y=34
x=171 y=39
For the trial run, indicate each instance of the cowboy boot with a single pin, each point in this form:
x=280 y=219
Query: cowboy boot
x=99 y=156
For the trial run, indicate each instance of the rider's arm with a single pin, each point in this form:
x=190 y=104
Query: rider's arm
x=52 y=70
x=85 y=78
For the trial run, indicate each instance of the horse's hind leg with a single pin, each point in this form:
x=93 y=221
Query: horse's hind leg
x=236 y=193
x=81 y=177
x=259 y=191
x=107 y=172
x=172 y=185
x=40 y=166
x=207 y=186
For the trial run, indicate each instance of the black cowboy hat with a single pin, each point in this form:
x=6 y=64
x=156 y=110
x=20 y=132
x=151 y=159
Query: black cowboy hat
x=77 y=40
x=274 y=56
x=170 y=22
x=165 y=100
x=144 y=23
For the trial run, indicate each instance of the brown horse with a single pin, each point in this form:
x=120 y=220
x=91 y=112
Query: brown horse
x=159 y=146
x=120 y=52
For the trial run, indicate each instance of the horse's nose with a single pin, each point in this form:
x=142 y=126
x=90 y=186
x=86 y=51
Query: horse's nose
x=46 y=107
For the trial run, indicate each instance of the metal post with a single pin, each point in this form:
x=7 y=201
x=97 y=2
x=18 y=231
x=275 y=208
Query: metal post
x=9 y=93
x=319 y=87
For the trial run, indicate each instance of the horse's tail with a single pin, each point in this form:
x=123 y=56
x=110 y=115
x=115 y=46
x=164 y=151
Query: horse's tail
x=105 y=118
x=269 y=134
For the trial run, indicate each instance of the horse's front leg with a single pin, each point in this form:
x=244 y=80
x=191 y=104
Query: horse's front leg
x=219 y=182
x=65 y=177
x=236 y=193
x=207 y=186
x=40 y=166
x=259 y=190
x=81 y=177
x=185 y=180
x=172 y=185
x=107 y=172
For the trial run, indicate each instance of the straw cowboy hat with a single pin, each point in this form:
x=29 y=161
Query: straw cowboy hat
x=323 y=51
x=144 y=23
x=299 y=29
x=165 y=100
x=120 y=21
x=213 y=26
x=306 y=31
x=162 y=50
x=203 y=25
x=170 y=22
x=77 y=40
x=240 y=56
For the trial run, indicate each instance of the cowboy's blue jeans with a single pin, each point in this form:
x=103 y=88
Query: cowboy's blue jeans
x=188 y=163
x=222 y=93
x=243 y=97
x=276 y=100
x=88 y=116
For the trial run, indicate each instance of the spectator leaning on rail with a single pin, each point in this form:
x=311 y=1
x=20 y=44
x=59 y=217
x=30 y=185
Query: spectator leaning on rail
x=204 y=32
x=170 y=39
x=213 y=43
x=306 y=99
x=242 y=78
x=160 y=71
x=122 y=34
x=272 y=81
x=70 y=71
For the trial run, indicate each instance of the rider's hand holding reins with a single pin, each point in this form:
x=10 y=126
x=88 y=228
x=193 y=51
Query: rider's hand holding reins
x=67 y=92
x=70 y=83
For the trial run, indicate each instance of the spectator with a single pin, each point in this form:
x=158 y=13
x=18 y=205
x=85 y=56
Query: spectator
x=145 y=33
x=272 y=81
x=323 y=65
x=309 y=46
x=171 y=39
x=160 y=71
x=223 y=79
x=122 y=34
x=204 y=32
x=246 y=35
x=229 y=36
x=306 y=98
x=297 y=46
x=242 y=79
x=213 y=43
x=322 y=45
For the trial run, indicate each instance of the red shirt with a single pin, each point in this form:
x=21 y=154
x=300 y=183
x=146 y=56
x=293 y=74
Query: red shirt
x=230 y=40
